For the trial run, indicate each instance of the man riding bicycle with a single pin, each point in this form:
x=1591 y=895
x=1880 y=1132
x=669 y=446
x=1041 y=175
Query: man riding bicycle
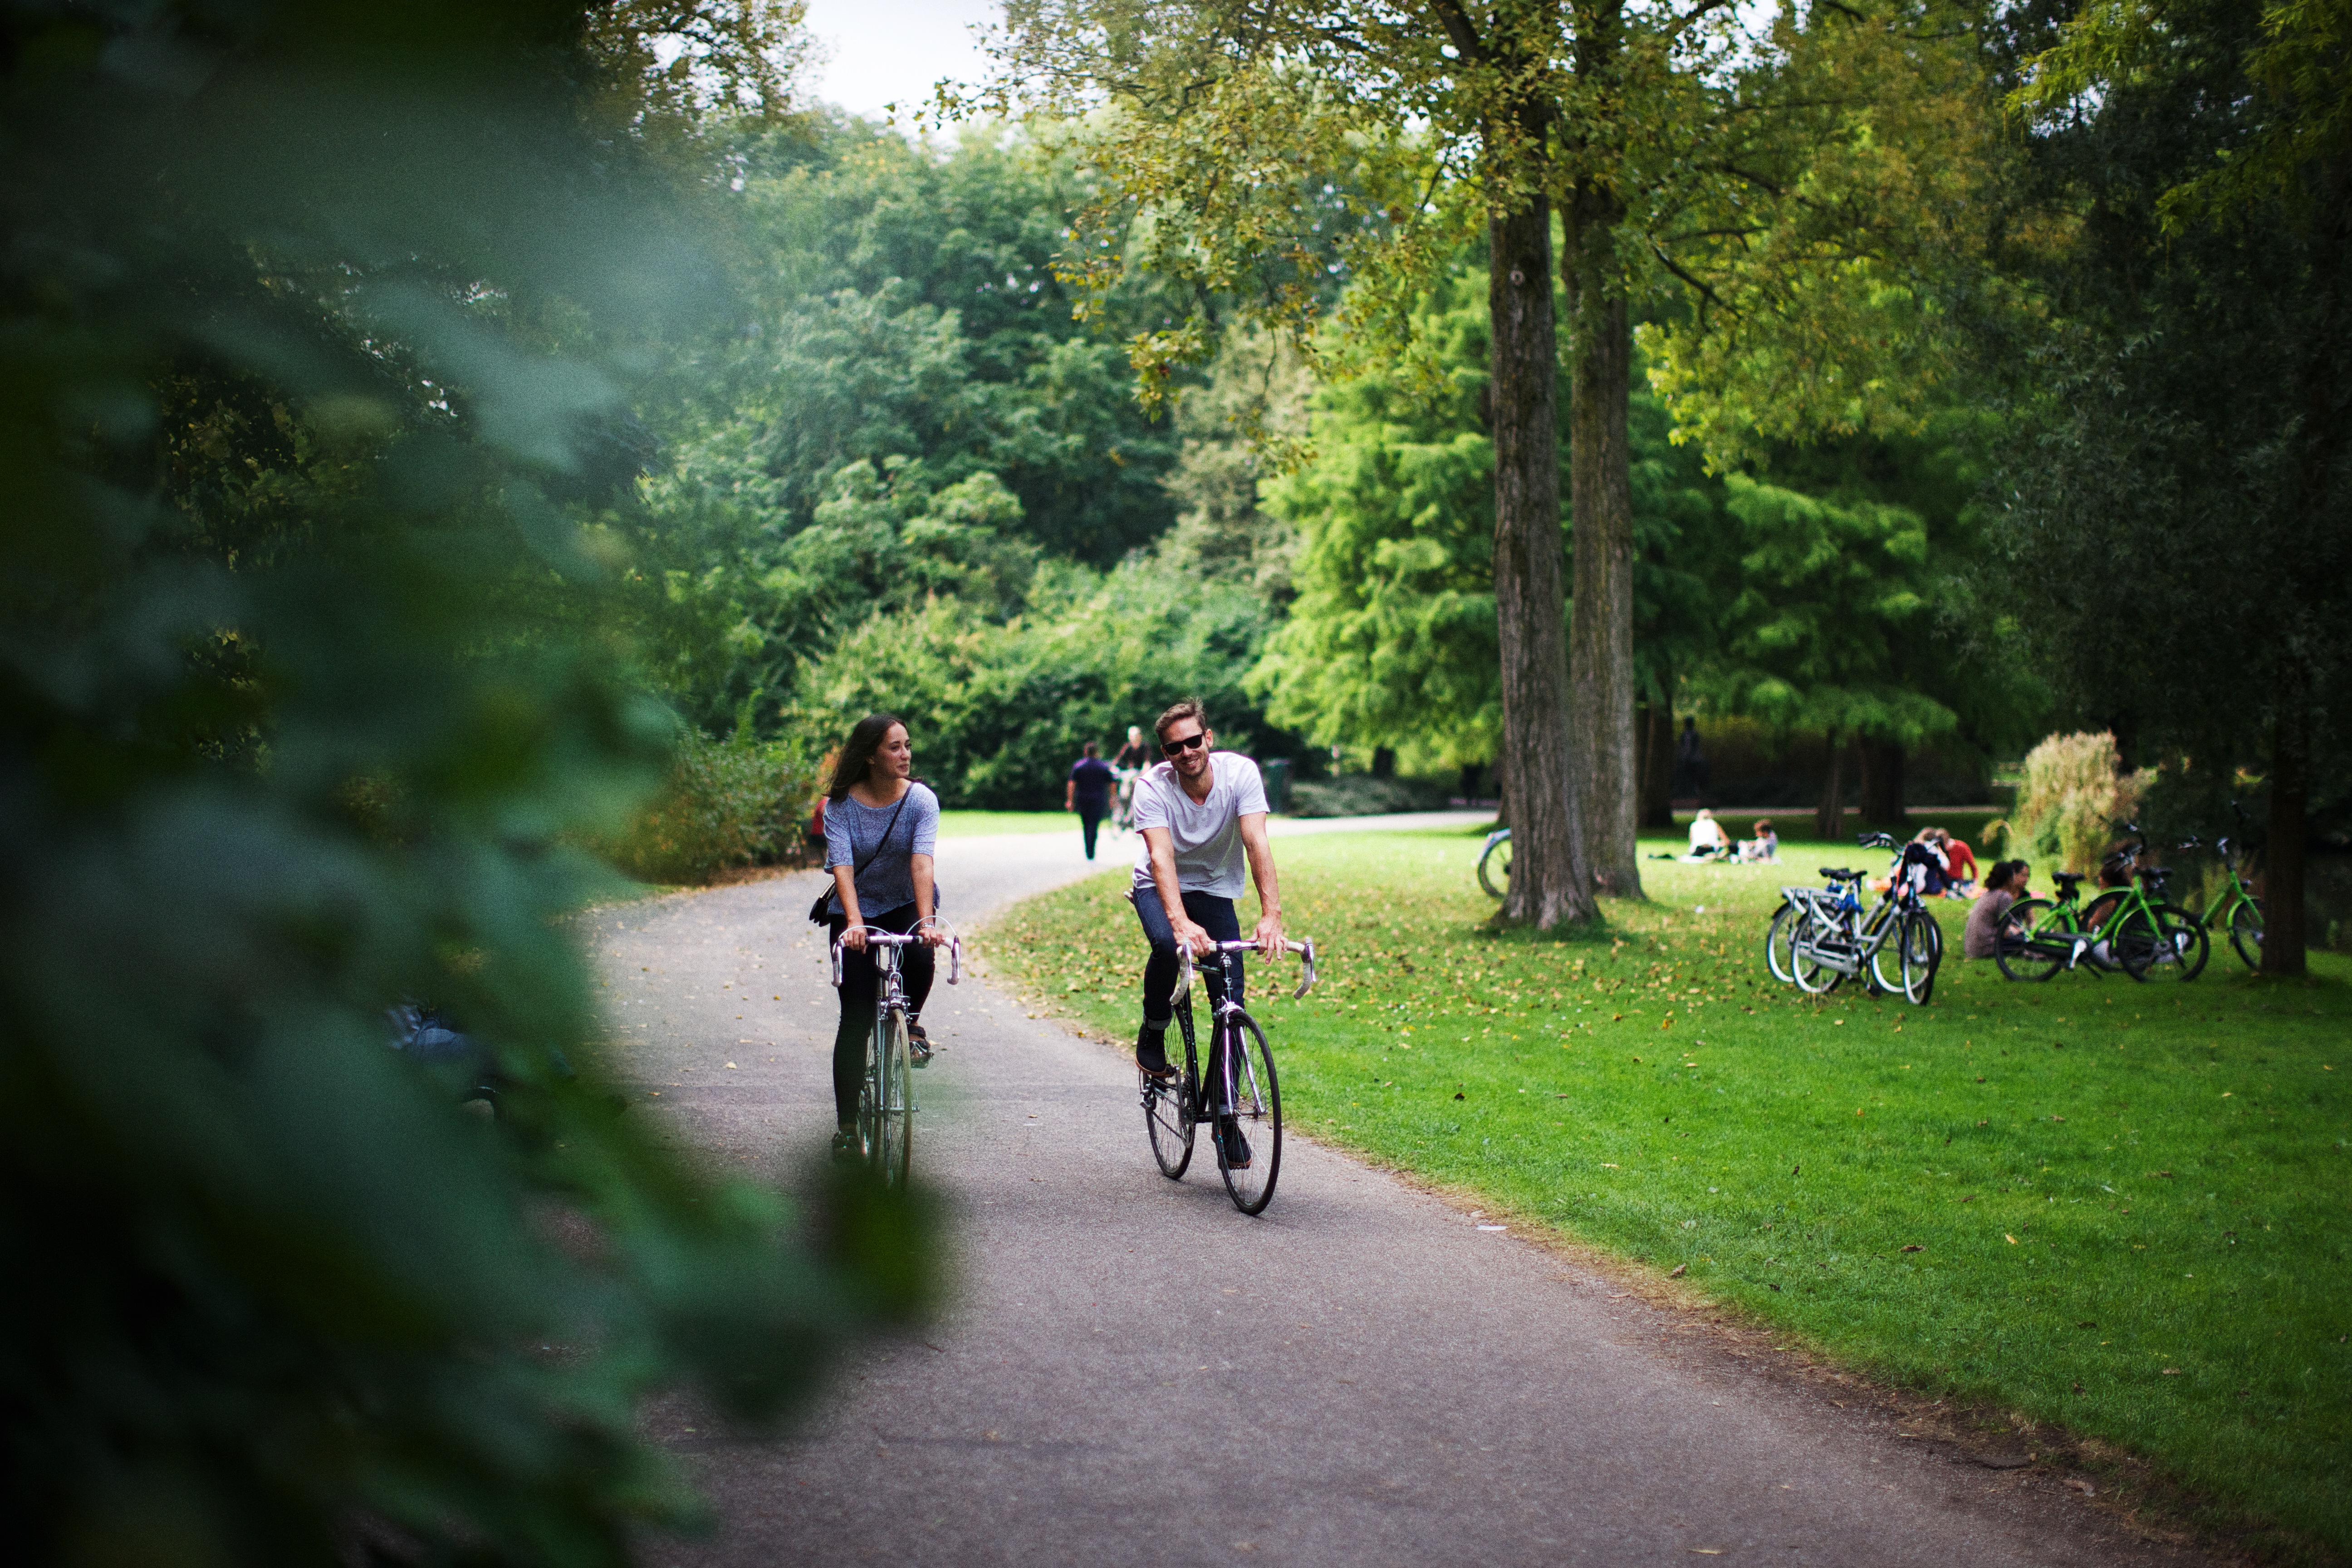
x=1200 y=813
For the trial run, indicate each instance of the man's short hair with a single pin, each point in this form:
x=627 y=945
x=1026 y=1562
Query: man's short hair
x=1089 y=750
x=1188 y=708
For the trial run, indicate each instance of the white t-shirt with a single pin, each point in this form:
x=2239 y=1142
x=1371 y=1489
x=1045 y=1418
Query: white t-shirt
x=1207 y=834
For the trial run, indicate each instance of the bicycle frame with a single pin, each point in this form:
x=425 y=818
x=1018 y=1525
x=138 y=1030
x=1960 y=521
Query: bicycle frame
x=888 y=1089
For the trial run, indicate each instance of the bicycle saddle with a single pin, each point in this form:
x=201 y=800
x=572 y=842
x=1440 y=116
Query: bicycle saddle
x=1838 y=874
x=2066 y=879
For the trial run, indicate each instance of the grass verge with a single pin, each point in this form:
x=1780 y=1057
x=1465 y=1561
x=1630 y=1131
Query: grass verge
x=2123 y=1208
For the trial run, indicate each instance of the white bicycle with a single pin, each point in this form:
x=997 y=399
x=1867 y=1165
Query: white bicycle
x=886 y=1101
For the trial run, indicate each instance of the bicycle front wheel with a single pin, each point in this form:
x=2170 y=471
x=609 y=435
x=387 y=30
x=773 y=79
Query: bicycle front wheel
x=1923 y=953
x=886 y=1123
x=2162 y=943
x=1245 y=1115
x=1886 y=958
x=2246 y=932
x=2022 y=949
x=1495 y=868
x=1167 y=1123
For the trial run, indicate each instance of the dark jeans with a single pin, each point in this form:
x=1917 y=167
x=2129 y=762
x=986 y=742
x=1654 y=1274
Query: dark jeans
x=861 y=982
x=1090 y=816
x=1211 y=914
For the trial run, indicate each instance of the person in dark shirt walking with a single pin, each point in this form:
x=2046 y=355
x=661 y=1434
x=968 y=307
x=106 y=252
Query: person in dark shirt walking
x=1088 y=794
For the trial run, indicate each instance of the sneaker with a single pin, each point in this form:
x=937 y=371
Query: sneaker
x=845 y=1145
x=1233 y=1148
x=918 y=1045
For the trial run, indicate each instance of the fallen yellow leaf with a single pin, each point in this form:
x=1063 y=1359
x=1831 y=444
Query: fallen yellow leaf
x=2010 y=1239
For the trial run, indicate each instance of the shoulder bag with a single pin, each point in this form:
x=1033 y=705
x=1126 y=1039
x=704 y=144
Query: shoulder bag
x=817 y=915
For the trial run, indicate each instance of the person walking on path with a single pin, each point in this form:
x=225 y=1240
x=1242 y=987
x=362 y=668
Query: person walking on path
x=880 y=828
x=1200 y=813
x=1088 y=792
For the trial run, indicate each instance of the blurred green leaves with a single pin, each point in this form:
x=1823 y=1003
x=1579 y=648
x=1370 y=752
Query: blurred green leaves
x=317 y=324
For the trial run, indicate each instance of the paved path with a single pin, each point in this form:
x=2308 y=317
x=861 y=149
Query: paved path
x=1134 y=1373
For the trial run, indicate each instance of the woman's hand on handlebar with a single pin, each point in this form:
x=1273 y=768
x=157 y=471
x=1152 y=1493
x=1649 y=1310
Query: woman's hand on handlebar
x=854 y=938
x=931 y=931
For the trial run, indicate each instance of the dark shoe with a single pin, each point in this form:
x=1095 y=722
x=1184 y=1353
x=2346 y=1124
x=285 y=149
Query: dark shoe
x=918 y=1045
x=1151 y=1055
x=845 y=1146
x=1233 y=1148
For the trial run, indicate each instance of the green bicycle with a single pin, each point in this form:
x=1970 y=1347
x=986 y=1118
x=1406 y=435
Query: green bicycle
x=2123 y=928
x=2236 y=911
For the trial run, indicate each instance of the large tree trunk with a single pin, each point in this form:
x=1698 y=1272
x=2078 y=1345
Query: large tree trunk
x=1601 y=506
x=1550 y=879
x=2283 y=923
x=1829 y=820
x=1882 y=782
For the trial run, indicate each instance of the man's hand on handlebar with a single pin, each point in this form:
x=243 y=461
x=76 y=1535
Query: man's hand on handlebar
x=1269 y=935
x=1193 y=936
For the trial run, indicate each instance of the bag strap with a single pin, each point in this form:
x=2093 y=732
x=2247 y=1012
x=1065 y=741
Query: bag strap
x=858 y=869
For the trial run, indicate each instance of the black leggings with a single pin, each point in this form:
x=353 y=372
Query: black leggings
x=860 y=984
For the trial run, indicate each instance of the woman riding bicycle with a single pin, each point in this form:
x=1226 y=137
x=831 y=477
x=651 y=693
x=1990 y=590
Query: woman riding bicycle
x=880 y=827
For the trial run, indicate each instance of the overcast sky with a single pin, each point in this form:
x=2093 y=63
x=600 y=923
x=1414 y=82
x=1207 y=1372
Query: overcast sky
x=893 y=50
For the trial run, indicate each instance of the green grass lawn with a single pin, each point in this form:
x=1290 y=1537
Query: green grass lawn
x=2122 y=1207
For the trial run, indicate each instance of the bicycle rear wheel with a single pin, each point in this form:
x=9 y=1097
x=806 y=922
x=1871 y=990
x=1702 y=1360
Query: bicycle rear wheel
x=1779 y=941
x=1245 y=1129
x=1494 y=869
x=2022 y=949
x=2246 y=932
x=1811 y=975
x=885 y=1125
x=1167 y=1123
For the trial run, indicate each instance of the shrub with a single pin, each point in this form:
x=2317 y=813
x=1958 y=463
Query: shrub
x=2070 y=798
x=997 y=711
x=737 y=802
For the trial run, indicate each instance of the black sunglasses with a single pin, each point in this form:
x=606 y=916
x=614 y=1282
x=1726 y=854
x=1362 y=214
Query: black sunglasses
x=1186 y=744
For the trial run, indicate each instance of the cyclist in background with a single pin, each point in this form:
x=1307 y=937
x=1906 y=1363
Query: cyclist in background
x=1135 y=753
x=1201 y=812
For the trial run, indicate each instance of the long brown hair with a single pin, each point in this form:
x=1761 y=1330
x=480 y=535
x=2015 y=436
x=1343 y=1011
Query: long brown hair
x=857 y=753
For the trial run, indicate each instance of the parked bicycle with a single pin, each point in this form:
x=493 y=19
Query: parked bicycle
x=1494 y=863
x=2128 y=927
x=2237 y=911
x=886 y=1101
x=1819 y=936
x=1240 y=1097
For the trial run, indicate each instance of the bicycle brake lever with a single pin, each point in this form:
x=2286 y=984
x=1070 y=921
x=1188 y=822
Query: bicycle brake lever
x=836 y=966
x=955 y=959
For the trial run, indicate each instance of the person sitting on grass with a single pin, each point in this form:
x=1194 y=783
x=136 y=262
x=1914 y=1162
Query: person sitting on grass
x=1765 y=847
x=1708 y=841
x=1959 y=865
x=2004 y=886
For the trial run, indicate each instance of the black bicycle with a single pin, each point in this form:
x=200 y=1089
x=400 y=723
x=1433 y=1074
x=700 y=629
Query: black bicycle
x=1241 y=1098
